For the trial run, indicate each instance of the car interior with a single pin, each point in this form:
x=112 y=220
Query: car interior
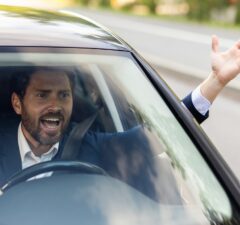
x=84 y=104
x=88 y=100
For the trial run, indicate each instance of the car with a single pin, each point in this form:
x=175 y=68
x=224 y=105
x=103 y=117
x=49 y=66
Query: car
x=157 y=165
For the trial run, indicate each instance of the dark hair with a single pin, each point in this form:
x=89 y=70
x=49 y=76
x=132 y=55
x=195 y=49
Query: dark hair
x=22 y=76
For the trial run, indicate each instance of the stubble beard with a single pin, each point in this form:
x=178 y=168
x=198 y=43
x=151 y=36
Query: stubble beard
x=33 y=128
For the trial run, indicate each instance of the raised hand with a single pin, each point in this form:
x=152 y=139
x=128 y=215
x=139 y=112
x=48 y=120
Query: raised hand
x=225 y=65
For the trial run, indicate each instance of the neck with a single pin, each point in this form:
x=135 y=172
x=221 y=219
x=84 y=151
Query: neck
x=40 y=149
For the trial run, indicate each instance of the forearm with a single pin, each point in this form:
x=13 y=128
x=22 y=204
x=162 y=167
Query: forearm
x=211 y=87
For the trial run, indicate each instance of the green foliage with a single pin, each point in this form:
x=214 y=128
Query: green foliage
x=104 y=2
x=82 y=2
x=237 y=20
x=152 y=4
x=98 y=2
x=201 y=9
x=128 y=7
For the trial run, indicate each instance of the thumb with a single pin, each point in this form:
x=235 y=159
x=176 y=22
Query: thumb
x=215 y=43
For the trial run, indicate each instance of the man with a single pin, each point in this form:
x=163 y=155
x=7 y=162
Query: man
x=44 y=102
x=45 y=107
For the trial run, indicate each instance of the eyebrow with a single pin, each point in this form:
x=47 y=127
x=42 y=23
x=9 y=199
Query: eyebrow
x=50 y=90
x=42 y=90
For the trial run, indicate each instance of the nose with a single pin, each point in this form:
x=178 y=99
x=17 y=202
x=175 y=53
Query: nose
x=54 y=109
x=54 y=104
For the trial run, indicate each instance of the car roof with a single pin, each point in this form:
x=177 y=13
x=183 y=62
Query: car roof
x=21 y=26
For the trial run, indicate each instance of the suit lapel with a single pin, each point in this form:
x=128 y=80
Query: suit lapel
x=10 y=159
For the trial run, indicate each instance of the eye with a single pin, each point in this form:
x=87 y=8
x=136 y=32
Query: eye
x=41 y=95
x=65 y=94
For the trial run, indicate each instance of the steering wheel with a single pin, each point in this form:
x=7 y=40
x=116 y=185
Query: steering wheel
x=75 y=166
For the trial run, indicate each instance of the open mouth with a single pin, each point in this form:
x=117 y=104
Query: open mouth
x=51 y=124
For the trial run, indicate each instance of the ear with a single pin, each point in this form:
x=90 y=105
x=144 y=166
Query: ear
x=16 y=103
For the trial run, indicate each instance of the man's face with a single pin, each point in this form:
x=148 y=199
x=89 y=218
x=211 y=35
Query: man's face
x=46 y=107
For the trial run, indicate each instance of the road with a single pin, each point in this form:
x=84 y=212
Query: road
x=184 y=51
x=183 y=47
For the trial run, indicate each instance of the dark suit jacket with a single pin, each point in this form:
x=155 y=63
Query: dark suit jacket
x=198 y=116
x=107 y=150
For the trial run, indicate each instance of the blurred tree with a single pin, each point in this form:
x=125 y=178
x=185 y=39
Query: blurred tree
x=105 y=2
x=238 y=12
x=201 y=9
x=94 y=2
x=82 y=2
x=152 y=4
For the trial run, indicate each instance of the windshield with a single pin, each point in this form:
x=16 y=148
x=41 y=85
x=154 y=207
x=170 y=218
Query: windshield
x=129 y=132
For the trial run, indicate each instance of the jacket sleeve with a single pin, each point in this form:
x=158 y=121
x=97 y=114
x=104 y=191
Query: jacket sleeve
x=187 y=101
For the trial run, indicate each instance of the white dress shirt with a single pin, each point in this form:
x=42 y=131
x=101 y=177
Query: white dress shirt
x=201 y=104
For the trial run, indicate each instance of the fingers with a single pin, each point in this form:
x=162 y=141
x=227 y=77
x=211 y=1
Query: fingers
x=238 y=44
x=215 y=43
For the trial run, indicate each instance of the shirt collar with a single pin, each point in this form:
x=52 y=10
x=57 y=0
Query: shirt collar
x=24 y=147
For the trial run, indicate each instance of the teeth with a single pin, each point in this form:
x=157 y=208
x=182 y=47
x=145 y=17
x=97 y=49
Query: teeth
x=52 y=120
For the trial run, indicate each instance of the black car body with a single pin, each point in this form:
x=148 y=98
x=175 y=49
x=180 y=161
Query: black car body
x=194 y=184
